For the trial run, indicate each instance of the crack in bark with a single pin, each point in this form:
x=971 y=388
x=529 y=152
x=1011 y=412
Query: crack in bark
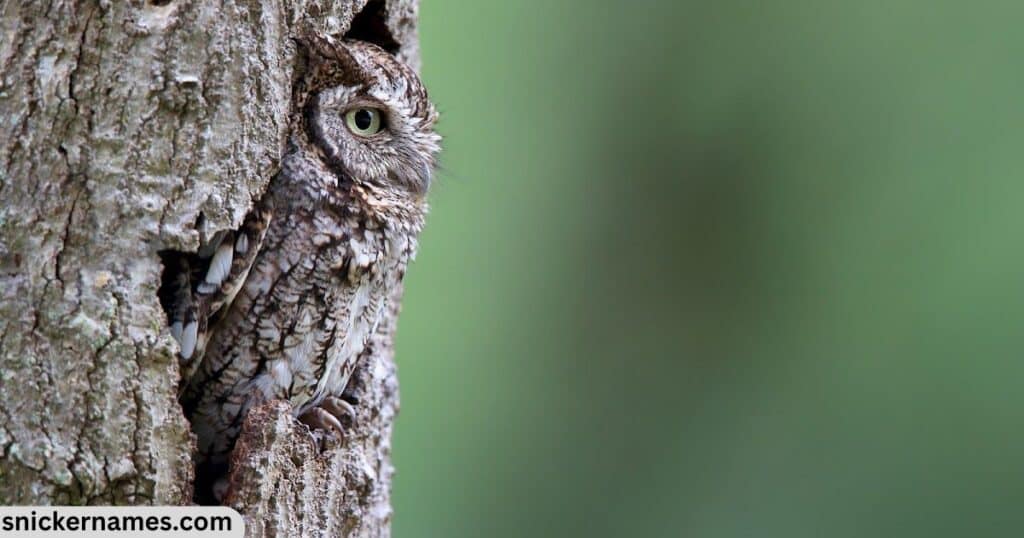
x=79 y=61
x=57 y=260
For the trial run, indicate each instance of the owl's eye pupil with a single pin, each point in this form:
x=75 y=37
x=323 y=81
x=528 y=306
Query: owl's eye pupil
x=363 y=119
x=364 y=122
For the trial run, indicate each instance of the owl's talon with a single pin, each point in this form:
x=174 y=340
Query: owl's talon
x=339 y=408
x=319 y=418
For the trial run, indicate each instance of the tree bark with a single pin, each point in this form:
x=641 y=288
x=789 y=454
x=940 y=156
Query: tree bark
x=127 y=128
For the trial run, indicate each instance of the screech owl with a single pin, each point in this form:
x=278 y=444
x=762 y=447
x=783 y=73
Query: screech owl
x=283 y=307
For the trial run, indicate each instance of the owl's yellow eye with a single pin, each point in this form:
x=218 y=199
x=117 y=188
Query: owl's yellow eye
x=363 y=121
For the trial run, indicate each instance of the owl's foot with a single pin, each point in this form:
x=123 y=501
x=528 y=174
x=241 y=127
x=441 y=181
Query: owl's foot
x=340 y=408
x=328 y=416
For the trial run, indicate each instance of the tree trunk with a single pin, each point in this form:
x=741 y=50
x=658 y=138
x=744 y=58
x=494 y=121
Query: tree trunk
x=129 y=128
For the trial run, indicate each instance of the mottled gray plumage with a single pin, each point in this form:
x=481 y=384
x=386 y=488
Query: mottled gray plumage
x=283 y=307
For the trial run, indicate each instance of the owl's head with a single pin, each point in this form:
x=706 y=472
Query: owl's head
x=368 y=116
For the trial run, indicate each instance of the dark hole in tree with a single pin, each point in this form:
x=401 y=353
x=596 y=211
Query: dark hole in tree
x=160 y=2
x=369 y=25
x=190 y=266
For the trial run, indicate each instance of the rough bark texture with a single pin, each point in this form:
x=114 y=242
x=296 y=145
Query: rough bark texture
x=127 y=128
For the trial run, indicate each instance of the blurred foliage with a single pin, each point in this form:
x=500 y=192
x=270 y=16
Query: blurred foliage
x=718 y=269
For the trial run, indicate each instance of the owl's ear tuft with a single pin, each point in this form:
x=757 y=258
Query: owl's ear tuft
x=322 y=62
x=325 y=47
x=328 y=59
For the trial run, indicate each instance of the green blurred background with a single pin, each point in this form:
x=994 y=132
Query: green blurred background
x=718 y=269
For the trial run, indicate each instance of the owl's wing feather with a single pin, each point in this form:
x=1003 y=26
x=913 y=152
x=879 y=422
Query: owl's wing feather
x=198 y=288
